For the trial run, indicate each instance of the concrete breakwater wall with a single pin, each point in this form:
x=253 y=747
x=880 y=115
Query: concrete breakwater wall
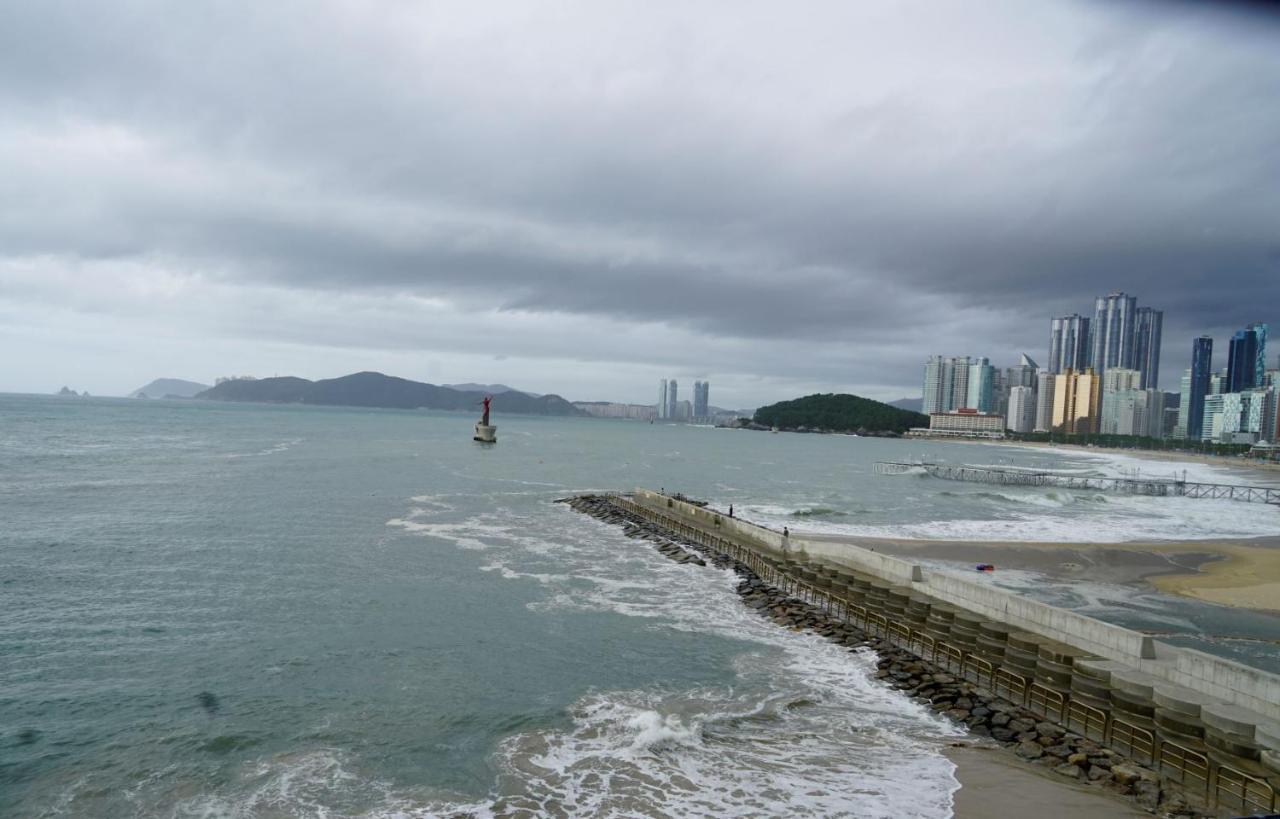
x=1206 y=723
x=984 y=714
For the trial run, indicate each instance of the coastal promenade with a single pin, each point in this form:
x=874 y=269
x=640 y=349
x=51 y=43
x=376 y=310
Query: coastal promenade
x=1210 y=725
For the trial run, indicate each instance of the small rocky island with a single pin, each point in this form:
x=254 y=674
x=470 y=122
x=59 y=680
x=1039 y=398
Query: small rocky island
x=836 y=413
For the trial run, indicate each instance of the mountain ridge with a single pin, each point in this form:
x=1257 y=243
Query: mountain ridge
x=377 y=390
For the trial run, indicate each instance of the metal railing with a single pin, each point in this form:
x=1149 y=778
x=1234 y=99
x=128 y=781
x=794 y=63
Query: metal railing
x=1089 y=721
x=949 y=657
x=1138 y=742
x=1047 y=702
x=978 y=670
x=1013 y=687
x=1240 y=791
x=1186 y=767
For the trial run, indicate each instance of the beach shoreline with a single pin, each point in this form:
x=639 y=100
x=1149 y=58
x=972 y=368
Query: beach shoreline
x=1236 y=572
x=1270 y=469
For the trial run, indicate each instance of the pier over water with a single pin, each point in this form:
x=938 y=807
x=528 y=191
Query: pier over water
x=1157 y=487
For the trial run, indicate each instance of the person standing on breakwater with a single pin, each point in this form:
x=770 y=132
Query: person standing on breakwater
x=731 y=510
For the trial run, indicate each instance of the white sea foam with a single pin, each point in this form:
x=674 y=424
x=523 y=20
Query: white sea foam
x=974 y=512
x=274 y=449
x=804 y=731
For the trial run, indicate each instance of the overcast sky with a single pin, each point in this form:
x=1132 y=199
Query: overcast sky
x=583 y=197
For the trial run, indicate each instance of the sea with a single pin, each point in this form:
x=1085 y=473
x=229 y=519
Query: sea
x=223 y=610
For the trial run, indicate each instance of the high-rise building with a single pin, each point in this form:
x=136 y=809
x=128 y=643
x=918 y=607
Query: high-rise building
x=701 y=396
x=673 y=400
x=1133 y=412
x=1246 y=358
x=1119 y=378
x=1076 y=401
x=981 y=386
x=1146 y=346
x=1069 y=343
x=1197 y=387
x=1114 y=317
x=662 y=398
x=1117 y=384
x=1022 y=409
x=1184 y=408
x=1045 y=382
x=1270 y=429
x=946 y=383
x=1022 y=374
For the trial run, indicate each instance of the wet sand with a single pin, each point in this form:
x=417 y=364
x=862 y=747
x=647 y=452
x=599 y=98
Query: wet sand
x=994 y=783
x=1242 y=573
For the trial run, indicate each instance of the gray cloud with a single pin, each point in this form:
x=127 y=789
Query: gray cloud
x=784 y=200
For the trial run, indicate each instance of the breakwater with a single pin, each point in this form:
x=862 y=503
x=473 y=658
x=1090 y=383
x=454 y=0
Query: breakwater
x=1055 y=701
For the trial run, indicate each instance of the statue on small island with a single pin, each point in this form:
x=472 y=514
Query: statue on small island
x=486 y=433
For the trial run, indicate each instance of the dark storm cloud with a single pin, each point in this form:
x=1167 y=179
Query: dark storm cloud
x=918 y=178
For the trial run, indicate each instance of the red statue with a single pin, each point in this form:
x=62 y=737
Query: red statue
x=485 y=419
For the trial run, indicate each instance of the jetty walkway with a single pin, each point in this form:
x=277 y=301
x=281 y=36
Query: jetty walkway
x=1158 y=487
x=1207 y=725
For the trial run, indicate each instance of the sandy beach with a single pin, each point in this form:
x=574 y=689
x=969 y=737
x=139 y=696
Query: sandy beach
x=1239 y=573
x=995 y=783
x=1269 y=470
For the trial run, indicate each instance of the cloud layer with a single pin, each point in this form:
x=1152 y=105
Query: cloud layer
x=583 y=197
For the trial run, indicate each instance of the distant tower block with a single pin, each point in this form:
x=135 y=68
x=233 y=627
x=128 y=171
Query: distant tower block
x=486 y=433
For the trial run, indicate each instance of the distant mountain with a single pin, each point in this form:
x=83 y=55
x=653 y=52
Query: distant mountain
x=169 y=388
x=839 y=413
x=369 y=389
x=910 y=404
x=491 y=389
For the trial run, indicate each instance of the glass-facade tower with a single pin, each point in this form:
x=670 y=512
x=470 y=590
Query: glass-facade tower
x=1201 y=370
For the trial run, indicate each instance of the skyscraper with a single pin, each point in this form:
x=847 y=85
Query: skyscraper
x=1076 y=401
x=1116 y=384
x=1113 y=332
x=1069 y=343
x=673 y=400
x=1246 y=358
x=1022 y=374
x=946 y=383
x=701 y=393
x=1045 y=382
x=1022 y=409
x=1193 y=403
x=1146 y=346
x=981 y=387
x=662 y=398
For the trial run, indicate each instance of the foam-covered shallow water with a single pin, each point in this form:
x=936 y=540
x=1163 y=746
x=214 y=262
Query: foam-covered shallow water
x=214 y=610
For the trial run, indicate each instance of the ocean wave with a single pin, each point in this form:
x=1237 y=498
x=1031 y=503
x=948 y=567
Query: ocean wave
x=804 y=731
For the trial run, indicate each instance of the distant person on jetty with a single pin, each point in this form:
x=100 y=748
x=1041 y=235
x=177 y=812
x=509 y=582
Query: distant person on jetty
x=731 y=510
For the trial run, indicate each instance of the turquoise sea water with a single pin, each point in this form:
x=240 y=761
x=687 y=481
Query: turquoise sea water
x=212 y=610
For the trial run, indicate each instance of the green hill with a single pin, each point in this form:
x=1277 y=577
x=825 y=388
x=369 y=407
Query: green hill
x=839 y=413
x=377 y=390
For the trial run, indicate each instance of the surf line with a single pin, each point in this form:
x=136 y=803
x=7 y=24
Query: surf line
x=988 y=718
